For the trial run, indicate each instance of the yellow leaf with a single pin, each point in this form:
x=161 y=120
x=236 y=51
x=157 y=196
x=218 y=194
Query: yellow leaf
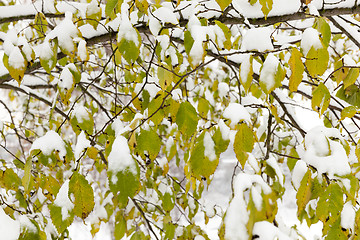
x=297 y=69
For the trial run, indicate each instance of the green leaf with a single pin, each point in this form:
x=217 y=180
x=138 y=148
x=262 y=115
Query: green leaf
x=110 y=6
x=129 y=49
x=57 y=218
x=266 y=6
x=83 y=194
x=187 y=119
x=324 y=29
x=27 y=175
x=330 y=202
x=200 y=165
x=321 y=98
x=349 y=112
x=223 y=3
x=243 y=143
x=126 y=184
x=203 y=107
x=9 y=180
x=351 y=77
x=188 y=42
x=351 y=95
x=297 y=69
x=148 y=141
x=220 y=144
x=168 y=202
x=317 y=61
x=120 y=226
x=303 y=194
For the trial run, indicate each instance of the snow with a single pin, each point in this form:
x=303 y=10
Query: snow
x=165 y=15
x=323 y=153
x=126 y=30
x=257 y=39
x=267 y=231
x=298 y=173
x=348 y=216
x=16 y=59
x=82 y=51
x=81 y=144
x=225 y=130
x=120 y=158
x=245 y=67
x=9 y=228
x=268 y=71
x=65 y=32
x=48 y=143
x=81 y=113
x=46 y=51
x=274 y=164
x=62 y=200
x=209 y=147
x=237 y=215
x=236 y=112
x=223 y=89
x=310 y=38
x=66 y=79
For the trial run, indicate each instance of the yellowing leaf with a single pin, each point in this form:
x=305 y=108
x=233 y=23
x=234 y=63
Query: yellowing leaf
x=303 y=195
x=40 y=24
x=321 y=98
x=142 y=5
x=324 y=29
x=243 y=143
x=16 y=64
x=148 y=141
x=317 y=61
x=83 y=195
x=266 y=6
x=200 y=165
x=165 y=77
x=223 y=3
x=227 y=34
x=187 y=119
x=92 y=152
x=351 y=77
x=349 y=112
x=297 y=69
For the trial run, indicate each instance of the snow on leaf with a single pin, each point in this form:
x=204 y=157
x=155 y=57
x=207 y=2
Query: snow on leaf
x=48 y=143
x=236 y=113
x=246 y=72
x=271 y=74
x=200 y=163
x=83 y=195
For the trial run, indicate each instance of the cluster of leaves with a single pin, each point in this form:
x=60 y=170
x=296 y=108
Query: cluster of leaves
x=119 y=113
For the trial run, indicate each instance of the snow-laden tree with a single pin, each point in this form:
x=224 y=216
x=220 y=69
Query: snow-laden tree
x=120 y=112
